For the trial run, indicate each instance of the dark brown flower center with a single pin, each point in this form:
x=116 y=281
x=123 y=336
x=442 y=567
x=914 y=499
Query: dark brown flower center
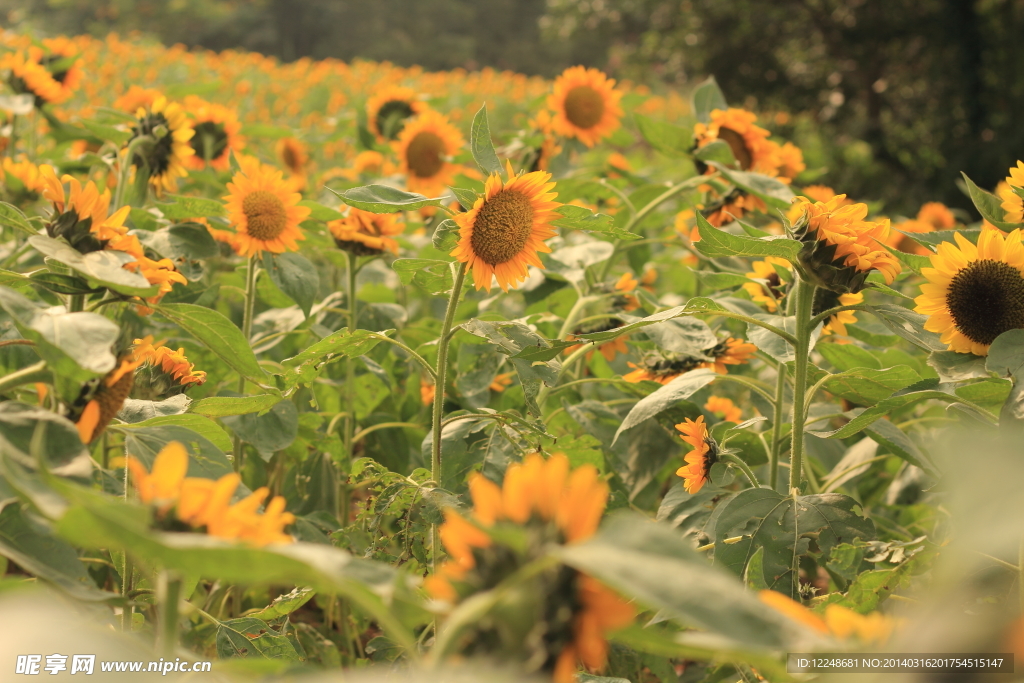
x=738 y=146
x=584 y=106
x=986 y=299
x=425 y=155
x=266 y=214
x=502 y=227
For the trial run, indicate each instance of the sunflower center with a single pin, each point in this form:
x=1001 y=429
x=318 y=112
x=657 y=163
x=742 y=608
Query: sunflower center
x=738 y=146
x=266 y=214
x=986 y=299
x=502 y=227
x=156 y=155
x=210 y=140
x=425 y=155
x=391 y=117
x=584 y=106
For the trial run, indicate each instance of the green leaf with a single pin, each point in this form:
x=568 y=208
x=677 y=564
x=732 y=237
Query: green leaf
x=1006 y=354
x=716 y=151
x=988 y=205
x=713 y=281
x=909 y=325
x=867 y=386
x=697 y=304
x=780 y=524
x=137 y=410
x=385 y=199
x=933 y=239
x=295 y=276
x=319 y=212
x=956 y=367
x=199 y=424
x=707 y=97
x=75 y=345
x=446 y=235
x=888 y=435
x=12 y=217
x=110 y=133
x=914 y=262
x=671 y=140
x=848 y=356
x=184 y=208
x=222 y=406
x=284 y=604
x=481 y=146
x=189 y=241
x=775 y=193
x=57 y=437
x=882 y=408
x=62 y=284
x=688 y=335
x=269 y=432
x=250 y=637
x=769 y=342
x=579 y=218
x=206 y=459
x=305 y=366
x=432 y=275
x=100 y=268
x=219 y=335
x=679 y=389
x=467 y=198
x=715 y=243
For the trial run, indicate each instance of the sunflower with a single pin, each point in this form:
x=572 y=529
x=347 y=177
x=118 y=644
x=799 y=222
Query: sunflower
x=662 y=367
x=164 y=371
x=136 y=98
x=791 y=162
x=362 y=233
x=697 y=470
x=165 y=156
x=369 y=163
x=1013 y=203
x=501 y=235
x=26 y=173
x=50 y=76
x=80 y=217
x=162 y=486
x=769 y=288
x=817 y=193
x=731 y=208
x=730 y=352
x=585 y=105
x=295 y=158
x=545 y=502
x=216 y=134
x=749 y=142
x=625 y=286
x=105 y=401
x=938 y=215
x=974 y=293
x=264 y=210
x=608 y=349
x=724 y=409
x=424 y=148
x=389 y=109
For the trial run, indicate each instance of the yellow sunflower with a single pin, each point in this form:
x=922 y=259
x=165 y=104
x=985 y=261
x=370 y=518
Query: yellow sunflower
x=366 y=234
x=974 y=293
x=25 y=172
x=749 y=142
x=501 y=235
x=585 y=105
x=841 y=622
x=136 y=98
x=50 y=76
x=837 y=322
x=697 y=470
x=730 y=352
x=171 y=130
x=425 y=148
x=264 y=210
x=217 y=134
x=389 y=109
x=1013 y=203
x=173 y=363
x=938 y=215
x=771 y=290
x=80 y=216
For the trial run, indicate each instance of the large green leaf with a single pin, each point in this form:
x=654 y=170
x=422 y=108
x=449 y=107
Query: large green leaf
x=206 y=459
x=481 y=146
x=433 y=275
x=909 y=325
x=99 y=268
x=76 y=346
x=305 y=366
x=12 y=216
x=295 y=276
x=250 y=637
x=1006 y=354
x=190 y=241
x=203 y=426
x=883 y=408
x=780 y=524
x=889 y=436
x=221 y=406
x=695 y=305
x=579 y=218
x=715 y=243
x=772 y=191
x=665 y=137
x=707 y=97
x=866 y=386
x=385 y=199
x=285 y=604
x=319 y=212
x=270 y=432
x=988 y=205
x=771 y=343
x=23 y=426
x=849 y=356
x=219 y=335
x=679 y=389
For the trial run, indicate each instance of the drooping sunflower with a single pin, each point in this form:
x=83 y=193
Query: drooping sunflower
x=295 y=158
x=724 y=409
x=425 y=148
x=164 y=372
x=585 y=105
x=749 y=142
x=1013 y=203
x=363 y=233
x=389 y=108
x=770 y=288
x=729 y=352
x=217 y=134
x=697 y=470
x=164 y=157
x=99 y=404
x=974 y=293
x=501 y=235
x=546 y=503
x=264 y=210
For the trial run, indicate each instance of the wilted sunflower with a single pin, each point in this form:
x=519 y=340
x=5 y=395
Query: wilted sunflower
x=501 y=235
x=608 y=349
x=98 y=404
x=389 y=109
x=697 y=470
x=1013 y=203
x=165 y=156
x=264 y=210
x=217 y=134
x=363 y=233
x=585 y=105
x=662 y=367
x=974 y=293
x=771 y=289
x=425 y=149
x=544 y=502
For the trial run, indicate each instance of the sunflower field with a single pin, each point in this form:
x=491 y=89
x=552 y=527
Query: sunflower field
x=344 y=371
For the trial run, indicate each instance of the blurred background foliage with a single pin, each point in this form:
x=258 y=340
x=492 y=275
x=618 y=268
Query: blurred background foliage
x=890 y=100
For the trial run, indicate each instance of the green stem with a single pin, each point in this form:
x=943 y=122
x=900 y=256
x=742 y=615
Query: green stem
x=362 y=434
x=127 y=570
x=778 y=417
x=417 y=357
x=168 y=596
x=348 y=437
x=545 y=391
x=247 y=314
x=76 y=303
x=33 y=373
x=743 y=467
x=804 y=299
x=825 y=315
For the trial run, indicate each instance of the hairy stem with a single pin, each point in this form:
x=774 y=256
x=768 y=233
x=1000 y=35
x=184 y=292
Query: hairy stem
x=804 y=299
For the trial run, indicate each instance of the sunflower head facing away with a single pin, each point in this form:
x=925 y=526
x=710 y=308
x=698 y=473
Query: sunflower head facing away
x=168 y=146
x=697 y=470
x=506 y=228
x=840 y=247
x=562 y=618
x=974 y=292
x=425 y=149
x=585 y=105
x=217 y=134
x=389 y=109
x=80 y=216
x=164 y=372
x=362 y=233
x=264 y=210
x=100 y=401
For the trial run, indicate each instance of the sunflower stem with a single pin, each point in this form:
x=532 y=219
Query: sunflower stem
x=36 y=372
x=348 y=438
x=247 y=313
x=76 y=303
x=778 y=417
x=168 y=596
x=803 y=301
x=743 y=467
x=127 y=570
